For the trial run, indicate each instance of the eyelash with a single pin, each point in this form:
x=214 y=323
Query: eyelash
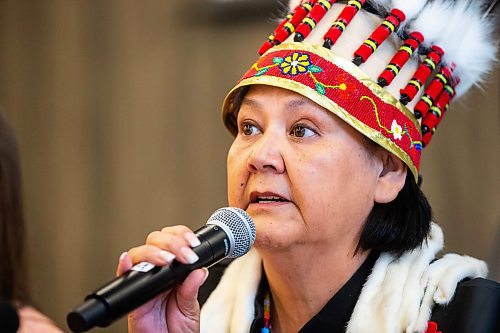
x=302 y=127
x=244 y=127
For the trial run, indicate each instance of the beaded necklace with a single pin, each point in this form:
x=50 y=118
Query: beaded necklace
x=267 y=314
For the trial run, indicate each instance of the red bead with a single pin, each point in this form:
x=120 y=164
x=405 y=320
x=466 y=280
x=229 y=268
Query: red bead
x=400 y=58
x=432 y=92
x=287 y=26
x=345 y=17
x=315 y=15
x=390 y=24
x=299 y=14
x=266 y=46
x=422 y=74
x=436 y=113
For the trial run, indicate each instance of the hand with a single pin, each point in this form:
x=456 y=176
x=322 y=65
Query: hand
x=33 y=321
x=177 y=310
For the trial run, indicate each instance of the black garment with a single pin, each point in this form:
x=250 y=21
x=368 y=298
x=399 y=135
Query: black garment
x=334 y=316
x=475 y=308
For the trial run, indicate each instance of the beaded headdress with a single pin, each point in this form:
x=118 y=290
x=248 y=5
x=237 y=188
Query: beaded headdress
x=389 y=68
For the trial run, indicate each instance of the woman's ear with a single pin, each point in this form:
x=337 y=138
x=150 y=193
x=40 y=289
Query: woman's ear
x=391 y=179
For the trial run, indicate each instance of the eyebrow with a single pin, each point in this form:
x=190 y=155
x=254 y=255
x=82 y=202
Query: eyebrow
x=299 y=102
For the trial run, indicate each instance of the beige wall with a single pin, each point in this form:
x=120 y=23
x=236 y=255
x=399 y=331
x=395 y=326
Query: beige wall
x=116 y=106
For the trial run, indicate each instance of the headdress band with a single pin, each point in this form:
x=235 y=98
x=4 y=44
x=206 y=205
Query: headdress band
x=340 y=87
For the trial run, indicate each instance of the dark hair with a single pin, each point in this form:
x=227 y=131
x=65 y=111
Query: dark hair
x=400 y=225
x=12 y=229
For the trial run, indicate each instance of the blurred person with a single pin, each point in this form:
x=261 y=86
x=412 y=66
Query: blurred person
x=13 y=277
x=328 y=136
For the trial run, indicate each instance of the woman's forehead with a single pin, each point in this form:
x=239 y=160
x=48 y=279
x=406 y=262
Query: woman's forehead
x=257 y=96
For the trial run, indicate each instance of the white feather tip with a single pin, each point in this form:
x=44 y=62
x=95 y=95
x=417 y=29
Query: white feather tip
x=410 y=8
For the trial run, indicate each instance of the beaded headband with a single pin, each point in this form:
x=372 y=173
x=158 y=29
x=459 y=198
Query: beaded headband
x=294 y=59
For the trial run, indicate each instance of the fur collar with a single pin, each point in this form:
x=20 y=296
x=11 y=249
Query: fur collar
x=397 y=297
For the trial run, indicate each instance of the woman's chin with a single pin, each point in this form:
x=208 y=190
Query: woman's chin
x=269 y=208
x=273 y=233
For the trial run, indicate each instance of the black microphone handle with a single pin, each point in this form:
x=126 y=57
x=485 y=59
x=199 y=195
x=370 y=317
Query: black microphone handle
x=134 y=288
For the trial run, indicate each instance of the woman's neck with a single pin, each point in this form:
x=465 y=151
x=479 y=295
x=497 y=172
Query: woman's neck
x=303 y=280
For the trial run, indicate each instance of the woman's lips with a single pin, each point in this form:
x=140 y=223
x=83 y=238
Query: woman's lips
x=267 y=198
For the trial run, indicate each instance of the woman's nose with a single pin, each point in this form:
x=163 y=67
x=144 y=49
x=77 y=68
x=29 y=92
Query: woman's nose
x=266 y=155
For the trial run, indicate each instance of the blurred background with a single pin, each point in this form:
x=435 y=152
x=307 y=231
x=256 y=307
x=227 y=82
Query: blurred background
x=116 y=105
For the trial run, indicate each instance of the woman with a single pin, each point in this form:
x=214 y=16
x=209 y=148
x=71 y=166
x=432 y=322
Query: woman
x=326 y=164
x=12 y=270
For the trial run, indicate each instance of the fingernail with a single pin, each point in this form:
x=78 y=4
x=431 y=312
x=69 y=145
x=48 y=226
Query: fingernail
x=192 y=239
x=206 y=275
x=190 y=256
x=122 y=256
x=167 y=256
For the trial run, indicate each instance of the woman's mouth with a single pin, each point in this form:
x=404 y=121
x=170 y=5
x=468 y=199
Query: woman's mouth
x=266 y=198
x=269 y=199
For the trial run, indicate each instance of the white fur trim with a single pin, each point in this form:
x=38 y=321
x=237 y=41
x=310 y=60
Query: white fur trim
x=390 y=299
x=397 y=297
x=230 y=308
x=442 y=278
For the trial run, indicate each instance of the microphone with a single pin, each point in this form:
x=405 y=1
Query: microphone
x=8 y=317
x=229 y=232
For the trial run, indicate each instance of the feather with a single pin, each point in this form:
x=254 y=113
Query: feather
x=410 y=8
x=465 y=35
x=430 y=22
x=382 y=6
x=468 y=43
x=475 y=61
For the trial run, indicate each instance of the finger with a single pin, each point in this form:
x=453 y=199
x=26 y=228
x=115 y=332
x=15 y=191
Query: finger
x=176 y=244
x=187 y=294
x=151 y=254
x=183 y=231
x=124 y=264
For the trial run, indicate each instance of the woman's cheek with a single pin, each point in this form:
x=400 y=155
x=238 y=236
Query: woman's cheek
x=236 y=178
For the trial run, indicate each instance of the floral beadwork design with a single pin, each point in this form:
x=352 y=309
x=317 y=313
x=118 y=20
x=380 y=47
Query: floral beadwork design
x=297 y=63
x=347 y=88
x=396 y=130
x=300 y=63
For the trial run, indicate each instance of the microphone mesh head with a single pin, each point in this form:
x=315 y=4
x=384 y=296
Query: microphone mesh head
x=241 y=226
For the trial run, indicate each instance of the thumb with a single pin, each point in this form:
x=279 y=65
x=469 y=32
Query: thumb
x=187 y=293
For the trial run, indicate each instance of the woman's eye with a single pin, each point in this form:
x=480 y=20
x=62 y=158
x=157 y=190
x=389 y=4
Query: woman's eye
x=302 y=131
x=249 y=129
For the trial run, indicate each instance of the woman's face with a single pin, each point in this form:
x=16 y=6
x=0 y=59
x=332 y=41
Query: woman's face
x=304 y=175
